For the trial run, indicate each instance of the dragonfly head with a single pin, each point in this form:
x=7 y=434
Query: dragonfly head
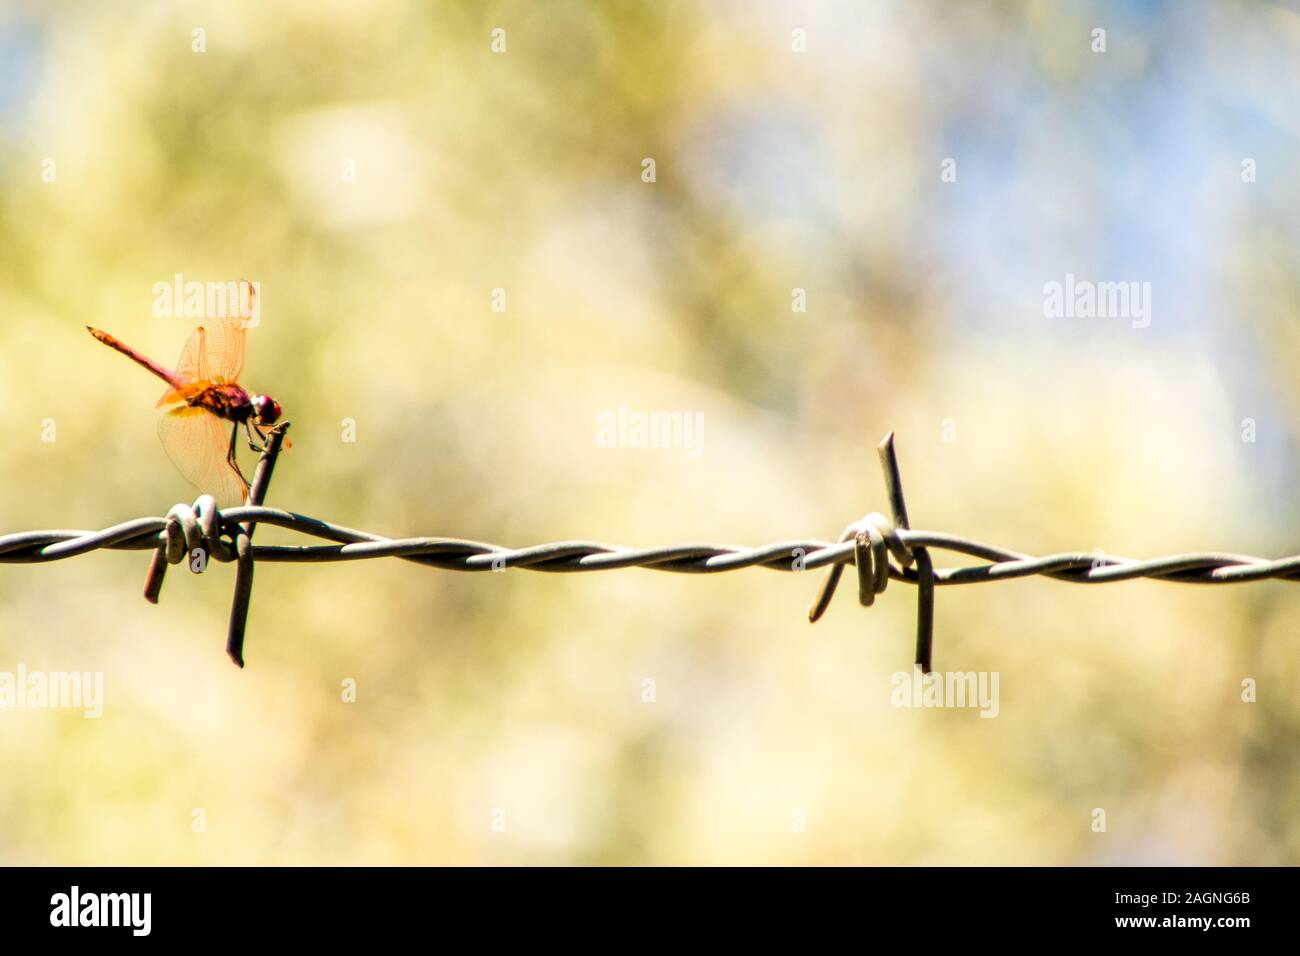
x=266 y=410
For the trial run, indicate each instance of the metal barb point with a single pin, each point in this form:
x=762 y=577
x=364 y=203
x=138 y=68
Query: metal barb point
x=200 y=526
x=244 y=545
x=924 y=566
x=873 y=538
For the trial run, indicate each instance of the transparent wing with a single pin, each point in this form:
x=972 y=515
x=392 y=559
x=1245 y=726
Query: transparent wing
x=223 y=351
x=214 y=351
x=222 y=354
x=189 y=367
x=199 y=446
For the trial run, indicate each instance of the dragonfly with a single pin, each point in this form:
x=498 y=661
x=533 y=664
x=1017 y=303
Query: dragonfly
x=203 y=396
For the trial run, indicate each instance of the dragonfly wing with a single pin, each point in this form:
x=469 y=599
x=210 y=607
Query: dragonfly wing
x=199 y=446
x=222 y=351
x=214 y=351
x=222 y=358
x=189 y=367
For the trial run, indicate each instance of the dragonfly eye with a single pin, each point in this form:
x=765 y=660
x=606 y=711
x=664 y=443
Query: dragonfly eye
x=268 y=409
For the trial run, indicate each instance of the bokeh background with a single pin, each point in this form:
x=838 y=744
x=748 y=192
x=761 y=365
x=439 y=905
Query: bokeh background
x=518 y=697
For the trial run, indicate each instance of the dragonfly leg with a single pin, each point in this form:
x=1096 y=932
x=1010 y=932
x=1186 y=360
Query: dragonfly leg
x=230 y=454
x=249 y=428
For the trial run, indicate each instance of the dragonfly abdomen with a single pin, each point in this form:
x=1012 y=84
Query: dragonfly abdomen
x=140 y=359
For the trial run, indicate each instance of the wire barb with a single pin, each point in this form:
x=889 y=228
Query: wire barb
x=867 y=544
x=872 y=537
x=244 y=545
x=924 y=566
x=197 y=529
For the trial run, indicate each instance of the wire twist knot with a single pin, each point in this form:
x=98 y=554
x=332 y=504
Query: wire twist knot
x=874 y=538
x=196 y=528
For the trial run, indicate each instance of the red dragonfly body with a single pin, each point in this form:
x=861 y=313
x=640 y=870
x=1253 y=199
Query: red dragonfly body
x=205 y=394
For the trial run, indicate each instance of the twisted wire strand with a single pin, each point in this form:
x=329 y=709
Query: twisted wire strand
x=455 y=554
x=880 y=548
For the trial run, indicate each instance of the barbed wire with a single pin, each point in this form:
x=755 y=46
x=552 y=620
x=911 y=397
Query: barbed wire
x=458 y=554
x=201 y=532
